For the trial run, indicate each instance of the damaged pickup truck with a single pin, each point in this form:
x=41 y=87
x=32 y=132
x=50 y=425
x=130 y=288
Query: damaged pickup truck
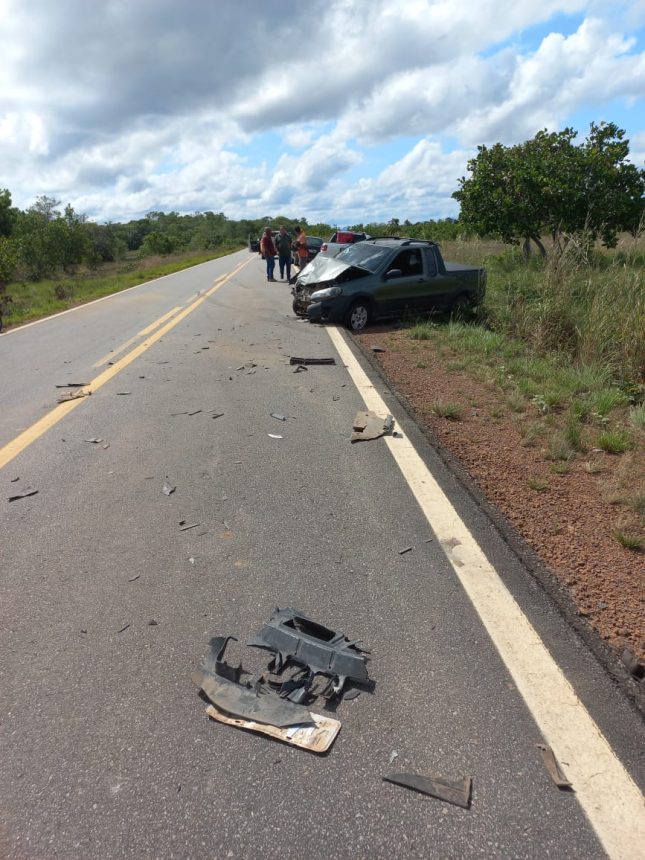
x=385 y=278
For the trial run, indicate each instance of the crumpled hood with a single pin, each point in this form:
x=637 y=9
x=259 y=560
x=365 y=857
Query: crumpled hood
x=322 y=269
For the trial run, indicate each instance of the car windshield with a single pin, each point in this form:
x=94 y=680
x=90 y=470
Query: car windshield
x=366 y=256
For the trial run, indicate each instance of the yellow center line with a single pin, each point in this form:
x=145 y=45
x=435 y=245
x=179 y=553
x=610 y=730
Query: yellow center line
x=142 y=333
x=17 y=445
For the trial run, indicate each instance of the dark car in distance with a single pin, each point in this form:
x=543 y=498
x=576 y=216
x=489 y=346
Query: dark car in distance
x=385 y=278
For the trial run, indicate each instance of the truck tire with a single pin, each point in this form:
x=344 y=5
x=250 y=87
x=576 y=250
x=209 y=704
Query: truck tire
x=461 y=305
x=358 y=315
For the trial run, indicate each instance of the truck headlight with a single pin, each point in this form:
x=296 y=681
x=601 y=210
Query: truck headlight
x=328 y=293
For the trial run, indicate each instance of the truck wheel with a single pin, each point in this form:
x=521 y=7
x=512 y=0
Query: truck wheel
x=358 y=315
x=461 y=305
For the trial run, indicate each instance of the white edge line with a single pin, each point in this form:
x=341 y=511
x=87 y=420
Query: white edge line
x=18 y=328
x=610 y=798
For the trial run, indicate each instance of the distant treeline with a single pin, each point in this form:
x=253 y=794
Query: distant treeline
x=44 y=240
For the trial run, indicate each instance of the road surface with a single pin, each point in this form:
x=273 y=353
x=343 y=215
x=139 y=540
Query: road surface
x=107 y=605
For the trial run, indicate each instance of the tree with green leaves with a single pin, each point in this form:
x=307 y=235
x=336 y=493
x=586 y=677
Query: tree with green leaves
x=550 y=186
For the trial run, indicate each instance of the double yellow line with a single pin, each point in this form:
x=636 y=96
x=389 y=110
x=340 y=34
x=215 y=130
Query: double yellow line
x=17 y=445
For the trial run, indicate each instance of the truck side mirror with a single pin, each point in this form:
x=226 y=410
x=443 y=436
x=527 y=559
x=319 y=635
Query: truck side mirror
x=392 y=273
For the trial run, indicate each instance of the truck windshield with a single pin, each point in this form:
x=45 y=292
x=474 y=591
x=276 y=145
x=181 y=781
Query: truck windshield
x=366 y=256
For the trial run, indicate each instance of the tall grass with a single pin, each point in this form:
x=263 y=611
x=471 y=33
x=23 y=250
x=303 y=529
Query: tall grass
x=592 y=310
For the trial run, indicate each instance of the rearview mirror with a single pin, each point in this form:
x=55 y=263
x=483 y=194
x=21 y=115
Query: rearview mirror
x=393 y=273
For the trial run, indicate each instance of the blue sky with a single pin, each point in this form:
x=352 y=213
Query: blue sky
x=123 y=108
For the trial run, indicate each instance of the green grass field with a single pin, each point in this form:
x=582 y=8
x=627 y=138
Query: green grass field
x=33 y=300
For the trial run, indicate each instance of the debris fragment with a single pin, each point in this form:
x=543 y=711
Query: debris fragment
x=72 y=385
x=456 y=791
x=297 y=360
x=553 y=767
x=316 y=738
x=13 y=480
x=152 y=623
x=378 y=349
x=406 y=549
x=168 y=490
x=191 y=526
x=635 y=667
x=23 y=494
x=72 y=395
x=351 y=694
x=250 y=700
x=191 y=559
x=217 y=415
x=369 y=425
x=394 y=754
x=279 y=417
x=300 y=368
x=275 y=436
x=134 y=578
x=291 y=635
x=175 y=414
x=123 y=628
x=123 y=393
x=196 y=412
x=94 y=440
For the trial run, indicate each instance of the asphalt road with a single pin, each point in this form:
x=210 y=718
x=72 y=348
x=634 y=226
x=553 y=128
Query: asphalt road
x=106 y=749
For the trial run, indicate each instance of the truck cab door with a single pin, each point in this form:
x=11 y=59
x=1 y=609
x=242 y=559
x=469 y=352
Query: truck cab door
x=404 y=291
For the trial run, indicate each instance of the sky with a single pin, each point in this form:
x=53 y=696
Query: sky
x=341 y=111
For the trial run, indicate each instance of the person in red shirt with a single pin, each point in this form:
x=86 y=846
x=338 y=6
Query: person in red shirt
x=268 y=251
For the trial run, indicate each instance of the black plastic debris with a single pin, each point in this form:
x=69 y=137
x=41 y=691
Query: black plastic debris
x=458 y=791
x=635 y=667
x=72 y=385
x=292 y=636
x=249 y=699
x=190 y=526
x=378 y=349
x=405 y=549
x=368 y=425
x=553 y=767
x=278 y=417
x=298 y=360
x=123 y=393
x=22 y=495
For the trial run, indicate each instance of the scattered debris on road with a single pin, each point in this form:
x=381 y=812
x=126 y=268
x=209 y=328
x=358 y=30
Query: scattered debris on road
x=196 y=412
x=278 y=417
x=123 y=393
x=458 y=791
x=275 y=436
x=168 y=489
x=405 y=549
x=123 y=629
x=294 y=359
x=635 y=667
x=369 y=425
x=217 y=415
x=72 y=385
x=72 y=395
x=300 y=368
x=152 y=623
x=94 y=440
x=553 y=767
x=292 y=636
x=13 y=480
x=134 y=578
x=23 y=494
x=190 y=526
x=251 y=704
x=394 y=754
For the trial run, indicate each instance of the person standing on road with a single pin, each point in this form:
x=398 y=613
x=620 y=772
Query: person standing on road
x=301 y=247
x=268 y=250
x=283 y=241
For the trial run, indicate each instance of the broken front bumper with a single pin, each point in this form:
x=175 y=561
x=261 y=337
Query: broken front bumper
x=333 y=311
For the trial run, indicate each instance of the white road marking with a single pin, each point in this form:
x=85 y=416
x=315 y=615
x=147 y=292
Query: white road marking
x=608 y=795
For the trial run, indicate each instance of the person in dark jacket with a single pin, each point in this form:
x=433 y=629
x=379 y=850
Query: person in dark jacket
x=283 y=241
x=268 y=251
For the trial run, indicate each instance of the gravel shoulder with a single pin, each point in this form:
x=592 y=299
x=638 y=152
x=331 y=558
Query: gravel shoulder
x=568 y=519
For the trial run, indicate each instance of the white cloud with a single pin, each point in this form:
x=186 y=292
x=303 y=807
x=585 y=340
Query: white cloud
x=121 y=107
